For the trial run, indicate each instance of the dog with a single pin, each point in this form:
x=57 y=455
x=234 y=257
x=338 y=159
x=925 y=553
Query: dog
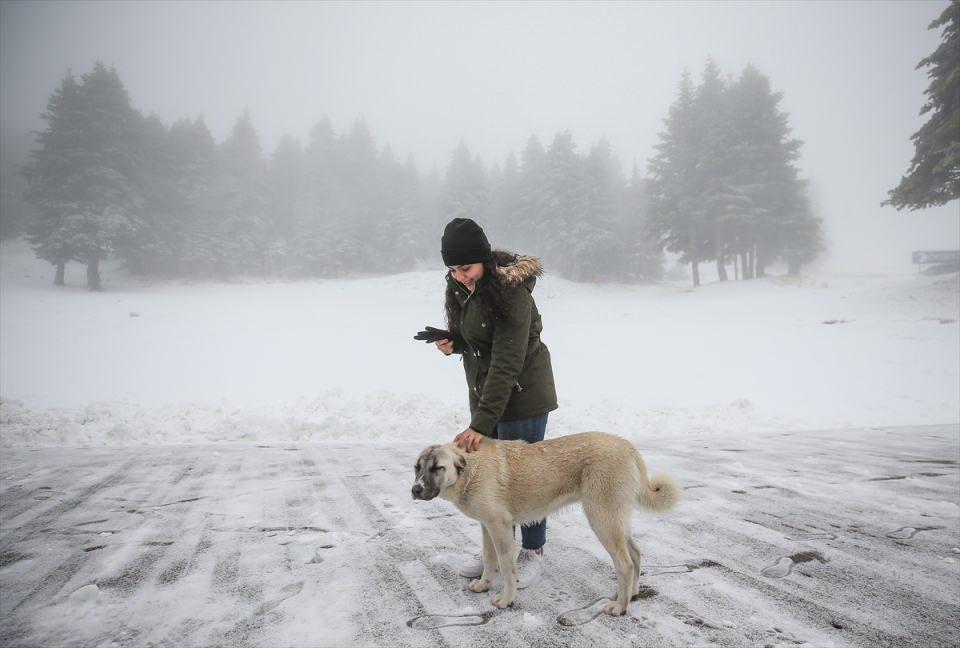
x=505 y=483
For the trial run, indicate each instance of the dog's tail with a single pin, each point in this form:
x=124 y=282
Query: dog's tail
x=660 y=492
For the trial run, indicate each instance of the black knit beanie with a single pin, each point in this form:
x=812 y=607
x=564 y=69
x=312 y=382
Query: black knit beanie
x=464 y=242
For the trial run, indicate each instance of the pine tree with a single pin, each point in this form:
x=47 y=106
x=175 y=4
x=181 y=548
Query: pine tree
x=712 y=198
x=505 y=205
x=563 y=224
x=312 y=250
x=768 y=215
x=465 y=188
x=934 y=174
x=287 y=200
x=356 y=212
x=87 y=178
x=724 y=183
x=598 y=250
x=55 y=165
x=113 y=200
x=396 y=238
x=158 y=242
x=196 y=179
x=676 y=223
x=244 y=226
x=642 y=259
x=523 y=224
x=286 y=184
x=799 y=238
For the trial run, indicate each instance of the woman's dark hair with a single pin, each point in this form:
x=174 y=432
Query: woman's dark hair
x=490 y=292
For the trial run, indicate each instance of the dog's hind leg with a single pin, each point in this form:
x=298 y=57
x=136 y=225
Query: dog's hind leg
x=635 y=557
x=482 y=584
x=612 y=531
x=501 y=533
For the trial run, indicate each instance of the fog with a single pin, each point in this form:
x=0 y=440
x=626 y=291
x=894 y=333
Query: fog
x=213 y=389
x=426 y=75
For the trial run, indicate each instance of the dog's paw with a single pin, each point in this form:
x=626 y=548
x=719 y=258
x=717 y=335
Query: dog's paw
x=478 y=585
x=501 y=601
x=614 y=609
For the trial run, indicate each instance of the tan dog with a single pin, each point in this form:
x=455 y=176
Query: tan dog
x=505 y=483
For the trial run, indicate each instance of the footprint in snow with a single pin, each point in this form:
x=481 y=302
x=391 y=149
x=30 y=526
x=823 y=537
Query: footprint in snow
x=695 y=621
x=582 y=615
x=397 y=552
x=785 y=565
x=317 y=558
x=905 y=533
x=685 y=568
x=45 y=493
x=434 y=621
x=590 y=612
x=812 y=536
x=289 y=591
x=781 y=636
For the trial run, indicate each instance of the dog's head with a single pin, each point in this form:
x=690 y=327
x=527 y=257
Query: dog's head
x=437 y=468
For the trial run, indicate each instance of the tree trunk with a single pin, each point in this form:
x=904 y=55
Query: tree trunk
x=745 y=265
x=760 y=262
x=93 y=274
x=58 y=277
x=753 y=262
x=721 y=268
x=736 y=266
x=695 y=257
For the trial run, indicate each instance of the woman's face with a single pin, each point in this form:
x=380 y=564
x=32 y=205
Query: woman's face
x=468 y=274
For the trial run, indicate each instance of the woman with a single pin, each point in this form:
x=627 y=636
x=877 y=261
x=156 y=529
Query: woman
x=495 y=326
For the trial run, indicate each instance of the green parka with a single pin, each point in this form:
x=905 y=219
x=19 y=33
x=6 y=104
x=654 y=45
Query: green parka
x=507 y=366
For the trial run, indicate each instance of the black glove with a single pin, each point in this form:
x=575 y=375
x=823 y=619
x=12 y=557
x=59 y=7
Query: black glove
x=433 y=335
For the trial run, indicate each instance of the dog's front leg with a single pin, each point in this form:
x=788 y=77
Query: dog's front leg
x=482 y=584
x=501 y=533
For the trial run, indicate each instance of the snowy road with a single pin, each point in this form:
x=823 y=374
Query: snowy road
x=818 y=538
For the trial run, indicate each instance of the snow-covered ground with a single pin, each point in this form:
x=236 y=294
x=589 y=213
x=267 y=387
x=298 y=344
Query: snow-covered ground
x=179 y=362
x=263 y=496
x=836 y=538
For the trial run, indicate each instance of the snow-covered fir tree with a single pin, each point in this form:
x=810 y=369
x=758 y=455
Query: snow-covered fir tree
x=88 y=175
x=934 y=174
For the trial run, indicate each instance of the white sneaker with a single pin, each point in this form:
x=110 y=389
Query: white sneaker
x=529 y=567
x=472 y=567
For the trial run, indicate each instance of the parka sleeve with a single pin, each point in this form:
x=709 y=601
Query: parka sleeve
x=508 y=352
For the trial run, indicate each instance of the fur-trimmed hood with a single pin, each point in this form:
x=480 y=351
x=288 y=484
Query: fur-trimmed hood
x=516 y=269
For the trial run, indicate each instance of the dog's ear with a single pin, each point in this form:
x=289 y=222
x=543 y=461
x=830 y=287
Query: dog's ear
x=460 y=463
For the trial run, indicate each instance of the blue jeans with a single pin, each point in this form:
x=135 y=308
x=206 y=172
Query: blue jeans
x=531 y=430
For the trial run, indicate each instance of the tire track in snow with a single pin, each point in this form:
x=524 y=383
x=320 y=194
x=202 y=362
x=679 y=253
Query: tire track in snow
x=45 y=518
x=45 y=584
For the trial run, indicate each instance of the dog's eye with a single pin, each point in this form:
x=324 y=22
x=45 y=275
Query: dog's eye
x=436 y=468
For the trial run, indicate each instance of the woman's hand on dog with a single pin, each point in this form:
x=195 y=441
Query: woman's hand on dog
x=468 y=440
x=445 y=346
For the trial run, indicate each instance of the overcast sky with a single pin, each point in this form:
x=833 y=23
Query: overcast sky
x=425 y=75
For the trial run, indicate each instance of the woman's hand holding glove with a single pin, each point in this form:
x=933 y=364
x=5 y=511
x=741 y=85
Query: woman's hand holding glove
x=431 y=334
x=445 y=340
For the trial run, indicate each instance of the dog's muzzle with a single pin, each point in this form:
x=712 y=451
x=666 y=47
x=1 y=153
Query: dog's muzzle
x=420 y=492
